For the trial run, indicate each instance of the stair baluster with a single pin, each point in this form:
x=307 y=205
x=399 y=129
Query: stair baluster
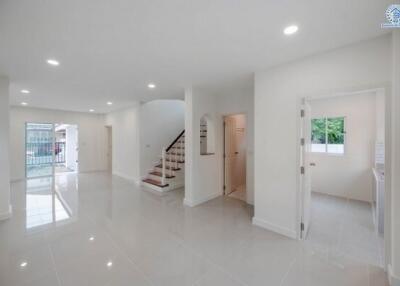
x=171 y=165
x=168 y=172
x=176 y=159
x=163 y=156
x=181 y=150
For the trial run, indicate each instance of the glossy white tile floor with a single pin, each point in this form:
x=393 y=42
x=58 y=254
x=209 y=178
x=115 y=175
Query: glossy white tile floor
x=345 y=226
x=101 y=230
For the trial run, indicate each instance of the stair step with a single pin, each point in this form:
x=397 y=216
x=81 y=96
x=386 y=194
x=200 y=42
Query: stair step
x=168 y=167
x=174 y=161
x=159 y=174
x=155 y=183
x=177 y=147
x=177 y=154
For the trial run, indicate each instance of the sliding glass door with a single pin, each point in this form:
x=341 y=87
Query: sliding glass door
x=40 y=149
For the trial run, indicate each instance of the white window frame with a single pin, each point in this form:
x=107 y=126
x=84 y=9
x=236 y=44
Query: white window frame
x=326 y=136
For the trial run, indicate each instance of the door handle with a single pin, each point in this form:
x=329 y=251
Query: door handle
x=236 y=153
x=313 y=164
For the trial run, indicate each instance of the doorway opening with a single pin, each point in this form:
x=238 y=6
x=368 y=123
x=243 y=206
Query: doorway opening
x=342 y=174
x=66 y=148
x=50 y=149
x=235 y=149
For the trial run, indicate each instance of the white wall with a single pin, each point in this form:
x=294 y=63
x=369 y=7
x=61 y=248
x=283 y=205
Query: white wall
x=395 y=202
x=204 y=174
x=92 y=139
x=347 y=176
x=380 y=116
x=161 y=121
x=277 y=102
x=5 y=209
x=125 y=142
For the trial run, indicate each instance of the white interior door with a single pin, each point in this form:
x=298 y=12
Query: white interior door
x=230 y=153
x=307 y=170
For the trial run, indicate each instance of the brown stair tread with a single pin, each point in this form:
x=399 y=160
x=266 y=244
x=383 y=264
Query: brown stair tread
x=156 y=183
x=168 y=167
x=174 y=161
x=159 y=174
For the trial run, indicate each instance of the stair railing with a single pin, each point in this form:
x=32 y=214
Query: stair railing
x=163 y=159
x=176 y=140
x=181 y=151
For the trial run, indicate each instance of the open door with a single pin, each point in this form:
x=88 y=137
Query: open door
x=230 y=153
x=305 y=168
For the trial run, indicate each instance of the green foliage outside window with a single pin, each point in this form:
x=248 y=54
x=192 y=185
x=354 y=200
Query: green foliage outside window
x=318 y=135
x=327 y=129
x=335 y=130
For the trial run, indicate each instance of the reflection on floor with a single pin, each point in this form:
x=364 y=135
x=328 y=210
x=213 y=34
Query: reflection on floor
x=43 y=205
x=62 y=169
x=118 y=234
x=39 y=170
x=239 y=193
x=341 y=225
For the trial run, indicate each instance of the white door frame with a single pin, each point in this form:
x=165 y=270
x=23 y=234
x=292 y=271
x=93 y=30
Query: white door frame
x=54 y=145
x=324 y=94
x=304 y=168
x=223 y=144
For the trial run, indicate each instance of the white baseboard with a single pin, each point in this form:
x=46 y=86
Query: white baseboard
x=275 y=228
x=126 y=177
x=193 y=203
x=6 y=215
x=393 y=280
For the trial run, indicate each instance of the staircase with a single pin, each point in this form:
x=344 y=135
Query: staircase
x=169 y=173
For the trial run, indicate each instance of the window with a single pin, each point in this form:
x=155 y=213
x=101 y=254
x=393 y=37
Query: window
x=328 y=135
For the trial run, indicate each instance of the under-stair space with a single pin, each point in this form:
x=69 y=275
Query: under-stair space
x=169 y=173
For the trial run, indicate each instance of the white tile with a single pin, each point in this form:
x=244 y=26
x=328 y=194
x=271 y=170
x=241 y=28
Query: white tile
x=155 y=240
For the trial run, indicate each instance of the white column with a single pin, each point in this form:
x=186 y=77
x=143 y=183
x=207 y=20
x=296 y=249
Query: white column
x=189 y=155
x=395 y=209
x=5 y=206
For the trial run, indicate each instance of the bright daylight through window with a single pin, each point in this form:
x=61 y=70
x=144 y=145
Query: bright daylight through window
x=328 y=135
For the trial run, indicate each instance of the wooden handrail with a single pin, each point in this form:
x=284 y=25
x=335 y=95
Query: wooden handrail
x=177 y=138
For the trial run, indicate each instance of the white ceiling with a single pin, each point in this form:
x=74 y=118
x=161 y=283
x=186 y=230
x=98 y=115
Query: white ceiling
x=110 y=50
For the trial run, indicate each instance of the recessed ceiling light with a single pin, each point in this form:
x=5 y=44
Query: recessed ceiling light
x=109 y=103
x=53 y=62
x=92 y=237
x=91 y=110
x=151 y=86
x=109 y=264
x=25 y=91
x=24 y=103
x=290 y=30
x=23 y=264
